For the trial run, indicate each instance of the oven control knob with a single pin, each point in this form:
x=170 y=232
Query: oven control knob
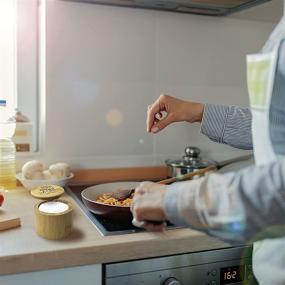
x=171 y=281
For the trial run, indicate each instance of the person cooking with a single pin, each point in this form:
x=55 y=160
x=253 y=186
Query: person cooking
x=243 y=206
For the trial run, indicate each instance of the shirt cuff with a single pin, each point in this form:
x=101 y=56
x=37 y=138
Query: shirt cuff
x=180 y=204
x=214 y=121
x=171 y=206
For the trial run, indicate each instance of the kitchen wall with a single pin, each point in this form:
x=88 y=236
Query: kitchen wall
x=106 y=64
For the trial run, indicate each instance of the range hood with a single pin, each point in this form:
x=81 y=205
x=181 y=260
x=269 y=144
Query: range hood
x=204 y=7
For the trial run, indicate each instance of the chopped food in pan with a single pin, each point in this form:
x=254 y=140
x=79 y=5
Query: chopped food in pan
x=107 y=199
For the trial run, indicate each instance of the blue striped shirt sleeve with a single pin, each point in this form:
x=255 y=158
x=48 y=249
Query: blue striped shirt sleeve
x=229 y=125
x=235 y=207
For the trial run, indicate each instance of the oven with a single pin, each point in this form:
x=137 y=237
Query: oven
x=214 y=267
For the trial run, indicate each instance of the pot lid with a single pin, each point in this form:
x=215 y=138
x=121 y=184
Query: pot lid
x=191 y=159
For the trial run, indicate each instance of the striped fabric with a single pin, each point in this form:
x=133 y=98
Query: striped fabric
x=228 y=125
x=277 y=109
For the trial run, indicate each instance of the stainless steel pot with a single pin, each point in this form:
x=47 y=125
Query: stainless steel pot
x=192 y=161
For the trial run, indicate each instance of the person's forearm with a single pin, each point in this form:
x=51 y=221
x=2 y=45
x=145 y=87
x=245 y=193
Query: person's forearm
x=235 y=207
x=228 y=125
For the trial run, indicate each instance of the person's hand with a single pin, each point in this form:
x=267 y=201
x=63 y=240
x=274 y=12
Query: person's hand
x=176 y=111
x=148 y=205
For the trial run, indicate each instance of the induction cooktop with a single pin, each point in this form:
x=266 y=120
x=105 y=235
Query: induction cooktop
x=105 y=226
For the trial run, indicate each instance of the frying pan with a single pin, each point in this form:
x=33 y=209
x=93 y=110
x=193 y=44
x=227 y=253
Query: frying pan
x=121 y=213
x=116 y=213
x=89 y=195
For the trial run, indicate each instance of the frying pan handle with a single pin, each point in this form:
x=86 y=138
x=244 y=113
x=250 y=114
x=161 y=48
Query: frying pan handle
x=188 y=176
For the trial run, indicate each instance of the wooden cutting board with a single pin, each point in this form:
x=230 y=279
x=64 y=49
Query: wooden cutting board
x=8 y=221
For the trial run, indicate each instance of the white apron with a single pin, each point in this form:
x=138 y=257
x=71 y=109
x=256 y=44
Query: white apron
x=268 y=255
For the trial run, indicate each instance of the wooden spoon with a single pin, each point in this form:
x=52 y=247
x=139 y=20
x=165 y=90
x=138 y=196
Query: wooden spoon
x=123 y=194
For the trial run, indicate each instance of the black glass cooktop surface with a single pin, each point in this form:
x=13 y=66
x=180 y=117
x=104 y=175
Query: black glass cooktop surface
x=106 y=226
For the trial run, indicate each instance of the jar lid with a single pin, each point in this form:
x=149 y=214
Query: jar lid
x=191 y=159
x=47 y=192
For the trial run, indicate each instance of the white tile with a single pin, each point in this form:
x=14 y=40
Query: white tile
x=108 y=119
x=225 y=95
x=206 y=51
x=100 y=67
x=95 y=42
x=270 y=11
x=103 y=58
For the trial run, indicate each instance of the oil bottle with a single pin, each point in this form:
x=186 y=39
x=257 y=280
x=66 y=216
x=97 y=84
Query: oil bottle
x=7 y=149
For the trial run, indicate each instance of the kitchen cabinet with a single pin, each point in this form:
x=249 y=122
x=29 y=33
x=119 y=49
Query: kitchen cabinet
x=87 y=275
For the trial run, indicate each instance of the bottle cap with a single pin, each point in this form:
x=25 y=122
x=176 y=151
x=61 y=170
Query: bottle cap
x=47 y=192
x=3 y=102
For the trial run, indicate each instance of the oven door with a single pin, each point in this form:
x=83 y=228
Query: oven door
x=215 y=267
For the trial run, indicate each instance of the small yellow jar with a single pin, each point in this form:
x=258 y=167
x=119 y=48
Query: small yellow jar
x=53 y=219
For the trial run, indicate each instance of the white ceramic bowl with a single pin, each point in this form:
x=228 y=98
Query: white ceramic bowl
x=31 y=184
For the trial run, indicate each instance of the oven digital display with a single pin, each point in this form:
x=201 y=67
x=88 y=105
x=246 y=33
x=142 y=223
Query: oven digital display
x=231 y=275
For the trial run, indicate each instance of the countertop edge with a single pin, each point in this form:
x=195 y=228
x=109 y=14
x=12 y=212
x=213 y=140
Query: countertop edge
x=41 y=261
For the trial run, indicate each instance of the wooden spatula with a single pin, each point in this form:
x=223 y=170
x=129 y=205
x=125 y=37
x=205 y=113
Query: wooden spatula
x=123 y=194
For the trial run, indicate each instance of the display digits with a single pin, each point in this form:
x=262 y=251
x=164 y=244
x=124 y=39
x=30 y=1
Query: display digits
x=232 y=274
